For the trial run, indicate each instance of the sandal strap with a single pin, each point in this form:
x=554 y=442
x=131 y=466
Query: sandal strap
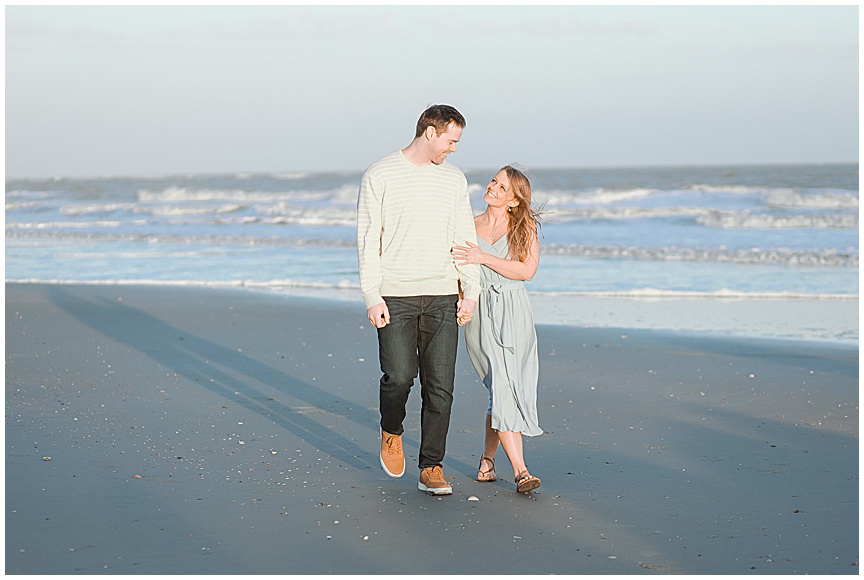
x=523 y=475
x=486 y=471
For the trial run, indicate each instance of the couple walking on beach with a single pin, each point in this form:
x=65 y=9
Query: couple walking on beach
x=427 y=266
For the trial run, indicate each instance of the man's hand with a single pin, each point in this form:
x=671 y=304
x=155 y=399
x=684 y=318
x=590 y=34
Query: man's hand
x=465 y=311
x=379 y=315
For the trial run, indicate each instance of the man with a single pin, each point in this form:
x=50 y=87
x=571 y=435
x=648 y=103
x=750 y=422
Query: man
x=413 y=207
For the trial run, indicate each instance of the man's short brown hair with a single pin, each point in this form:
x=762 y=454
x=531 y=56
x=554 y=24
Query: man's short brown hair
x=439 y=117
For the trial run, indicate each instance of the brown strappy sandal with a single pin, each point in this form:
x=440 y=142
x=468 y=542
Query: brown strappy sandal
x=489 y=474
x=525 y=482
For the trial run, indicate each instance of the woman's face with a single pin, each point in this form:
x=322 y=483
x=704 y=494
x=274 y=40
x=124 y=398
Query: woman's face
x=499 y=193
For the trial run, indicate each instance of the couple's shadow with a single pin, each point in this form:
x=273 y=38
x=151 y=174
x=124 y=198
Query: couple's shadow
x=232 y=374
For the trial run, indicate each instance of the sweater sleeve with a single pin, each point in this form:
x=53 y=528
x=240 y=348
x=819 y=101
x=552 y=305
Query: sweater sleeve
x=369 y=238
x=469 y=274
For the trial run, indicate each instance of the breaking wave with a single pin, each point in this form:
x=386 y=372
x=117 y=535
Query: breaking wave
x=344 y=194
x=816 y=258
x=785 y=257
x=744 y=220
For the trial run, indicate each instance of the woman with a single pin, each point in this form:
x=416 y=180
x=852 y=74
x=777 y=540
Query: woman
x=501 y=339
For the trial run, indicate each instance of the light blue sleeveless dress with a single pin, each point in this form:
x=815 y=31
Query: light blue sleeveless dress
x=502 y=345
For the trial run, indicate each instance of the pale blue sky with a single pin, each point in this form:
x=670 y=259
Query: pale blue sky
x=111 y=90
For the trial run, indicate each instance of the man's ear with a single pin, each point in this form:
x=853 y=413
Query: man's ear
x=430 y=132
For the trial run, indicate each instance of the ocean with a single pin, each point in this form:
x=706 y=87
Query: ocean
x=724 y=231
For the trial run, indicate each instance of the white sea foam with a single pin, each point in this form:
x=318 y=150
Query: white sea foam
x=134 y=255
x=21 y=205
x=344 y=214
x=595 y=197
x=171 y=210
x=289 y=176
x=193 y=194
x=772 y=196
x=61 y=225
x=622 y=213
x=97 y=208
x=310 y=220
x=826 y=200
x=745 y=220
x=829 y=258
x=155 y=210
x=100 y=238
x=781 y=256
x=30 y=194
x=740 y=189
x=288 y=214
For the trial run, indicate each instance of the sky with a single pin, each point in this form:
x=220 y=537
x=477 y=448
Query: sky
x=110 y=90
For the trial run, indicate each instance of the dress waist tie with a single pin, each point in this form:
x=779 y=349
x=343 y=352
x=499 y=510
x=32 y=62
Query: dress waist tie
x=494 y=294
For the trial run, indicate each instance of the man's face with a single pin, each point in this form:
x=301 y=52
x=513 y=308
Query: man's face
x=440 y=146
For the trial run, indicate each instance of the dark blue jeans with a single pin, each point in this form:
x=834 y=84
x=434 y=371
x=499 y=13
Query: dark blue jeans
x=422 y=336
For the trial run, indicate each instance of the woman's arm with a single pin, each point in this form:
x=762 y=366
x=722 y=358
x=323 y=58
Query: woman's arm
x=513 y=269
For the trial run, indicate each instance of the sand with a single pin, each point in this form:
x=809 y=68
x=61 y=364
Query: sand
x=160 y=430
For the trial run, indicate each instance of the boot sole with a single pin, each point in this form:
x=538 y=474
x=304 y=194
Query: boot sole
x=435 y=490
x=388 y=472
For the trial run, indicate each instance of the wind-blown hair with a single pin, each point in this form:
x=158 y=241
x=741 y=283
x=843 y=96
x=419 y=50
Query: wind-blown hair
x=440 y=117
x=523 y=221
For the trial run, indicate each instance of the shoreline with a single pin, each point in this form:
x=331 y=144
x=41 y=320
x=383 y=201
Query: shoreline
x=190 y=430
x=832 y=319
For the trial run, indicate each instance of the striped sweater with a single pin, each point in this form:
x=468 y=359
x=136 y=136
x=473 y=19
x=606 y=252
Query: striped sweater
x=408 y=219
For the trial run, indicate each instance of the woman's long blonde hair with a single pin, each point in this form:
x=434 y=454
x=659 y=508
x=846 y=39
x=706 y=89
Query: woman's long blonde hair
x=523 y=221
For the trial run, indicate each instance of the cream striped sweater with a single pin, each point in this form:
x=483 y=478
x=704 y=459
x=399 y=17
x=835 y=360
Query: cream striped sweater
x=408 y=219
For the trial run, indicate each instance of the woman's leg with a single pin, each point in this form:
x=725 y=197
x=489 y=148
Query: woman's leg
x=491 y=443
x=511 y=441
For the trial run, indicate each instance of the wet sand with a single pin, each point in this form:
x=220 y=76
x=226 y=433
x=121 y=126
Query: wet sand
x=160 y=430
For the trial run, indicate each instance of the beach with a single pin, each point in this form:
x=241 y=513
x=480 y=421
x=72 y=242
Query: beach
x=183 y=430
